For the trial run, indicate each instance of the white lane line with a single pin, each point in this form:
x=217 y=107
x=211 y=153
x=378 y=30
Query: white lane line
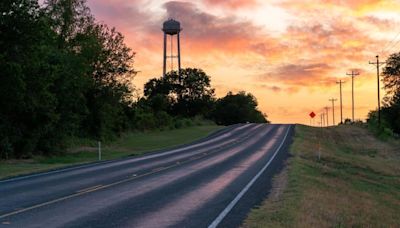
x=177 y=210
x=95 y=189
x=124 y=161
x=222 y=215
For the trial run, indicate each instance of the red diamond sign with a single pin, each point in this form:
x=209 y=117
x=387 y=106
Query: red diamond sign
x=312 y=114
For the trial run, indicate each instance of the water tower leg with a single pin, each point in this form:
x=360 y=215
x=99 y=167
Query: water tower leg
x=179 y=58
x=165 y=55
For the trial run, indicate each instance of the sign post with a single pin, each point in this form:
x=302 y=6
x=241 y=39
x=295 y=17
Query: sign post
x=312 y=115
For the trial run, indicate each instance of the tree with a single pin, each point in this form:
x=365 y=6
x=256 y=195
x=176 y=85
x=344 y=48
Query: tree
x=107 y=65
x=195 y=96
x=391 y=80
x=62 y=75
x=28 y=110
x=191 y=96
x=391 y=74
x=391 y=112
x=238 y=108
x=68 y=18
x=110 y=64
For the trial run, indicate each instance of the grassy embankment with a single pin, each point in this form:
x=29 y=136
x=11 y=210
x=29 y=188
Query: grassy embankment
x=130 y=144
x=356 y=183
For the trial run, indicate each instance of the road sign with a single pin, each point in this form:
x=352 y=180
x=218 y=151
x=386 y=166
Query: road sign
x=312 y=115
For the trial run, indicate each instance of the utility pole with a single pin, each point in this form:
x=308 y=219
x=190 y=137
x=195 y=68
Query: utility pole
x=377 y=63
x=333 y=109
x=352 y=74
x=340 y=82
x=327 y=116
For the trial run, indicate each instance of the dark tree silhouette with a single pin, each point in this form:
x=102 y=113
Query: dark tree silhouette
x=238 y=108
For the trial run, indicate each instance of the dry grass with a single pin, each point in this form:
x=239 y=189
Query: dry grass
x=356 y=183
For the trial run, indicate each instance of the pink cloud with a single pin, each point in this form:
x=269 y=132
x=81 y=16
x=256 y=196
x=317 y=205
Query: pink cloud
x=233 y=4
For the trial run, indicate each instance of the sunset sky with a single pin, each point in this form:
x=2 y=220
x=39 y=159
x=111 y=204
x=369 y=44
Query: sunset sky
x=289 y=54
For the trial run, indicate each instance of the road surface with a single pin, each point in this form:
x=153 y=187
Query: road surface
x=211 y=182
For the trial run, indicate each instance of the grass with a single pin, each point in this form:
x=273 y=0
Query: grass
x=356 y=182
x=130 y=144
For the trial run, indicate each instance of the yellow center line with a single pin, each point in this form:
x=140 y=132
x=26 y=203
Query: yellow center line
x=158 y=169
x=93 y=189
x=99 y=187
x=90 y=188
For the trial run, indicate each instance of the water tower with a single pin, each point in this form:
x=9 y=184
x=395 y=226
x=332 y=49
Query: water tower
x=172 y=28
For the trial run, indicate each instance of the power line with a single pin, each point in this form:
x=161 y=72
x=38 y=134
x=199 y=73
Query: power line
x=394 y=46
x=388 y=44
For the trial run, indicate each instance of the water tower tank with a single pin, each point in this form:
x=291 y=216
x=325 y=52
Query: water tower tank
x=171 y=27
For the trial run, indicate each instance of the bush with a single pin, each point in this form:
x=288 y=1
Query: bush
x=5 y=148
x=163 y=120
x=145 y=121
x=382 y=131
x=182 y=122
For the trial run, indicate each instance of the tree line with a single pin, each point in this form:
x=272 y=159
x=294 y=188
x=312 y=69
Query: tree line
x=390 y=112
x=191 y=95
x=63 y=74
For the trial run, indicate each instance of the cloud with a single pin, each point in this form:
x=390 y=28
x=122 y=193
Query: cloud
x=203 y=32
x=206 y=32
x=383 y=24
x=287 y=72
x=320 y=41
x=300 y=74
x=232 y=4
x=328 y=38
x=272 y=88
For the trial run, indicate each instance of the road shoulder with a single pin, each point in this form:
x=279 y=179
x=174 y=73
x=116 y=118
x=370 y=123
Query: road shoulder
x=355 y=183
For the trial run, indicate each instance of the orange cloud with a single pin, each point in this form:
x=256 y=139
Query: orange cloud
x=234 y=4
x=300 y=74
x=293 y=69
x=209 y=32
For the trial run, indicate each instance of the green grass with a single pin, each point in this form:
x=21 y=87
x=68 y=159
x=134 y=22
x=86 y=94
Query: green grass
x=130 y=144
x=356 y=183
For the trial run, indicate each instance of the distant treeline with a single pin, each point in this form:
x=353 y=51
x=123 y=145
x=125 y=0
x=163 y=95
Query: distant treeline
x=65 y=75
x=192 y=96
x=390 y=112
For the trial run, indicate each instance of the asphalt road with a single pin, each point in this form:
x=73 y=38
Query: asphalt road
x=211 y=182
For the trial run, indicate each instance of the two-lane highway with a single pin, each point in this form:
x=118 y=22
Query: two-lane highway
x=211 y=182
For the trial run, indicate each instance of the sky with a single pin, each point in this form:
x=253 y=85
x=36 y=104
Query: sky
x=288 y=53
